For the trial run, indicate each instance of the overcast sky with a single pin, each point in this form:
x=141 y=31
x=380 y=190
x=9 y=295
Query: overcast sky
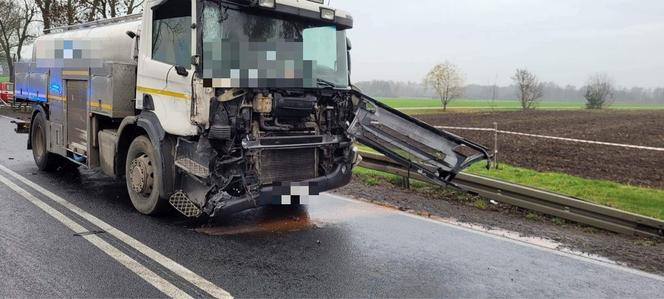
x=560 y=40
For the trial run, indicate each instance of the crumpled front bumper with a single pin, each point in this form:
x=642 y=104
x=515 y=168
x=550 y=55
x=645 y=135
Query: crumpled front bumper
x=281 y=194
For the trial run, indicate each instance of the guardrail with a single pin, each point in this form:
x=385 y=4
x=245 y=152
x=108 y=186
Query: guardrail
x=537 y=200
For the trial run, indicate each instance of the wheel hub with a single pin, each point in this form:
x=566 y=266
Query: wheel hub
x=38 y=142
x=141 y=175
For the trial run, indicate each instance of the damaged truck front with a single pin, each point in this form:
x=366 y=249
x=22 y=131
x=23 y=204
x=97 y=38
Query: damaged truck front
x=233 y=105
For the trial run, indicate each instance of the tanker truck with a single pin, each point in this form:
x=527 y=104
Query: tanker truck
x=213 y=107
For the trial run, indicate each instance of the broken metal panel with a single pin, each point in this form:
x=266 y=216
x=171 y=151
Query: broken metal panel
x=439 y=155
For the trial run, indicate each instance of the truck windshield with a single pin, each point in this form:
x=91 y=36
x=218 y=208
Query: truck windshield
x=244 y=49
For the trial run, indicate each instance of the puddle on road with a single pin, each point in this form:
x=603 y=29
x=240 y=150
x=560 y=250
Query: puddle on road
x=263 y=220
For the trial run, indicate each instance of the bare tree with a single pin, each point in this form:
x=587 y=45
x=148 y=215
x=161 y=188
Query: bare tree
x=600 y=91
x=448 y=82
x=67 y=12
x=15 y=21
x=529 y=88
x=102 y=9
x=58 y=12
x=133 y=5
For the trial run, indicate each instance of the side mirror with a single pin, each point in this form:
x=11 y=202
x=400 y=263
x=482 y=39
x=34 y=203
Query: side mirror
x=196 y=60
x=181 y=70
x=134 y=48
x=349 y=46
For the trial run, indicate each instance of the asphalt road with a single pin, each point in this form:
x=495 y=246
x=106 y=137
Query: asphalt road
x=76 y=235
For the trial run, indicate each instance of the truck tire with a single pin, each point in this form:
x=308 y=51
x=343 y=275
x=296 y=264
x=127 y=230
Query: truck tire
x=144 y=177
x=45 y=161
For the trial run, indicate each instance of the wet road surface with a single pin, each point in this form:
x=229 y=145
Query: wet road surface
x=335 y=247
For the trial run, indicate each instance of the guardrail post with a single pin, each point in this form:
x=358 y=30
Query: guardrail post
x=404 y=183
x=407 y=179
x=495 y=145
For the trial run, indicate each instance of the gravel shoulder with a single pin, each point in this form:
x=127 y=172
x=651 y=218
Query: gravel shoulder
x=639 y=253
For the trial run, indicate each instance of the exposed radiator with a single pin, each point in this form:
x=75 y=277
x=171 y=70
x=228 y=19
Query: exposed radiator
x=288 y=166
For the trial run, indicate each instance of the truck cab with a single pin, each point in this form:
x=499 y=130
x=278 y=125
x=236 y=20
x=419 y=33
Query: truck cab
x=217 y=106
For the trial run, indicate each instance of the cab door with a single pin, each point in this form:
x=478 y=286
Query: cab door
x=436 y=154
x=165 y=73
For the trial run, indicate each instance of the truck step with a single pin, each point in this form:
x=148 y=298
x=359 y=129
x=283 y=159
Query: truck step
x=193 y=167
x=181 y=202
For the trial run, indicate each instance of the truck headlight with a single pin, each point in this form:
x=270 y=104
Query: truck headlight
x=327 y=14
x=266 y=3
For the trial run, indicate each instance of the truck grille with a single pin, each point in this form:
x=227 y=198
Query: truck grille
x=288 y=166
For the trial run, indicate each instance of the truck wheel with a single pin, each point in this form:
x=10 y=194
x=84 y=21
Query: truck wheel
x=45 y=161
x=143 y=176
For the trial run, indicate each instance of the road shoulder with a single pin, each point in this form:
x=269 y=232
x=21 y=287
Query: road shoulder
x=638 y=253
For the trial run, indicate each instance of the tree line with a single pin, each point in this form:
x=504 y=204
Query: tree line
x=550 y=91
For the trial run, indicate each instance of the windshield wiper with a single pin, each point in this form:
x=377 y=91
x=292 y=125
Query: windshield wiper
x=323 y=82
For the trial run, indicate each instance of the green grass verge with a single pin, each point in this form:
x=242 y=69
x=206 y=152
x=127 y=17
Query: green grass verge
x=423 y=104
x=639 y=200
x=374 y=178
x=4 y=78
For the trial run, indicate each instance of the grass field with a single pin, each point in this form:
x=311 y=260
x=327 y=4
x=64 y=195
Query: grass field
x=419 y=103
x=4 y=78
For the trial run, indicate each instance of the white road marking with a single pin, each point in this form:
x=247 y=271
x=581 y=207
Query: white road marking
x=514 y=240
x=146 y=274
x=166 y=262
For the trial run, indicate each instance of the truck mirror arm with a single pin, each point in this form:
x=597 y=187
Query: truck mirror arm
x=181 y=70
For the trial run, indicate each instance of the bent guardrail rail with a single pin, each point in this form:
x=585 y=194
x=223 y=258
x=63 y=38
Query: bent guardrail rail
x=538 y=200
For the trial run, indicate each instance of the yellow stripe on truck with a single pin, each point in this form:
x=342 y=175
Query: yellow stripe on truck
x=103 y=106
x=76 y=73
x=56 y=98
x=163 y=92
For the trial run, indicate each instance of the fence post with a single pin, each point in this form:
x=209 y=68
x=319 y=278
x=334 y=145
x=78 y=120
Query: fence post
x=405 y=181
x=495 y=145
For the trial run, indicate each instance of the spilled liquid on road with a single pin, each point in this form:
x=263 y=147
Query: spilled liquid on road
x=274 y=219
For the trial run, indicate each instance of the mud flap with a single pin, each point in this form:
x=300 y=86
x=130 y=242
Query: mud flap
x=436 y=154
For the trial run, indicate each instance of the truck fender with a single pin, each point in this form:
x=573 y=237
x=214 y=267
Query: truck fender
x=148 y=124
x=35 y=110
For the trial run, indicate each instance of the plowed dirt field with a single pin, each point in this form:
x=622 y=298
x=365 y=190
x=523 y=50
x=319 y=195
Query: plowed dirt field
x=630 y=166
